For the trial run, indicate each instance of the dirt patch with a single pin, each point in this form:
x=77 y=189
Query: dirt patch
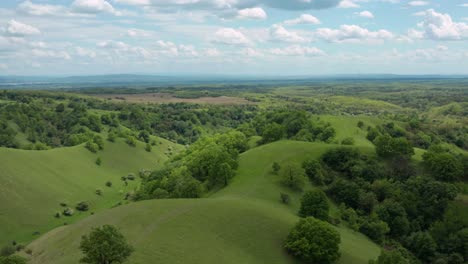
x=161 y=98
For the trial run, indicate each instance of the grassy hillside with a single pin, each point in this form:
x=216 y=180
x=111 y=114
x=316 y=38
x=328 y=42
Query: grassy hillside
x=36 y=182
x=244 y=223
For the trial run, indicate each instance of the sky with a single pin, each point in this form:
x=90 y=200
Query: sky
x=233 y=37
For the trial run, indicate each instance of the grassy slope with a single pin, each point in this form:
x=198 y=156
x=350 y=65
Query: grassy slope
x=36 y=182
x=244 y=223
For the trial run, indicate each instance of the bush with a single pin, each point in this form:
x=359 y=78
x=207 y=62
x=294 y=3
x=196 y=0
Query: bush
x=131 y=141
x=148 y=147
x=347 y=141
x=109 y=184
x=313 y=170
x=284 y=198
x=98 y=192
x=7 y=250
x=68 y=212
x=82 y=206
x=93 y=147
x=314 y=241
x=314 y=203
x=98 y=161
x=131 y=177
x=275 y=167
x=12 y=260
x=375 y=229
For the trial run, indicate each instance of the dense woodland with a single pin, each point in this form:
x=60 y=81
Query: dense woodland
x=404 y=206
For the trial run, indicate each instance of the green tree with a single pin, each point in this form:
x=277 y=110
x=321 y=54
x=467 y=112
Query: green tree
x=394 y=214
x=374 y=228
x=12 y=260
x=105 y=245
x=273 y=132
x=314 y=241
x=443 y=166
x=389 y=147
x=422 y=245
x=292 y=176
x=314 y=203
x=390 y=257
x=275 y=167
x=313 y=170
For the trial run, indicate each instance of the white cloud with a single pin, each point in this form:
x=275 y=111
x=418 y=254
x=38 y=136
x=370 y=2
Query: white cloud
x=252 y=13
x=250 y=52
x=353 y=33
x=82 y=52
x=138 y=33
x=212 y=52
x=124 y=50
x=93 y=7
x=230 y=36
x=42 y=9
x=18 y=29
x=365 y=14
x=464 y=5
x=418 y=3
x=50 y=54
x=303 y=19
x=438 y=26
x=3 y=66
x=348 y=4
x=296 y=50
x=279 y=33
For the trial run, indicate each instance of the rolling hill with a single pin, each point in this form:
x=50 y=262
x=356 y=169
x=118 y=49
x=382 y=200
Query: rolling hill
x=243 y=223
x=35 y=183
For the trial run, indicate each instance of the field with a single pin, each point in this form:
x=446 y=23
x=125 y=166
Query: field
x=216 y=229
x=35 y=183
x=160 y=98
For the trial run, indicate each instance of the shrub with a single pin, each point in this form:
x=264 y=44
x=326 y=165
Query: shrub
x=275 y=167
x=131 y=177
x=7 y=251
x=82 y=206
x=57 y=215
x=93 y=147
x=109 y=184
x=131 y=141
x=98 y=161
x=12 y=260
x=68 y=212
x=148 y=147
x=347 y=141
x=360 y=124
x=284 y=198
x=314 y=171
x=314 y=241
x=98 y=192
x=314 y=203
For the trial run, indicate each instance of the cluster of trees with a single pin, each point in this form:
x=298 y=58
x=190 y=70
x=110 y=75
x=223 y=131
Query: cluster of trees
x=288 y=124
x=207 y=164
x=383 y=198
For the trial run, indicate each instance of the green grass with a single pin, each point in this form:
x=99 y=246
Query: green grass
x=34 y=183
x=243 y=223
x=346 y=126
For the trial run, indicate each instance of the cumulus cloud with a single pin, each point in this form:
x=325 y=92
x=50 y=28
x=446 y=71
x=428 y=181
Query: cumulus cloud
x=296 y=50
x=252 y=13
x=138 y=33
x=353 y=33
x=418 y=3
x=18 y=29
x=303 y=19
x=279 y=33
x=366 y=14
x=93 y=7
x=439 y=26
x=82 y=52
x=52 y=54
x=348 y=4
x=122 y=49
x=230 y=36
x=42 y=9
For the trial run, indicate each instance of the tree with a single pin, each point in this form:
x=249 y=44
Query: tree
x=443 y=166
x=314 y=171
x=390 y=257
x=422 y=245
x=292 y=176
x=314 y=203
x=275 y=167
x=12 y=260
x=374 y=228
x=389 y=147
x=394 y=215
x=314 y=241
x=273 y=132
x=105 y=245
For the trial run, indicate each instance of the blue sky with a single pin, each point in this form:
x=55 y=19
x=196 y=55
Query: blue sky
x=233 y=37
